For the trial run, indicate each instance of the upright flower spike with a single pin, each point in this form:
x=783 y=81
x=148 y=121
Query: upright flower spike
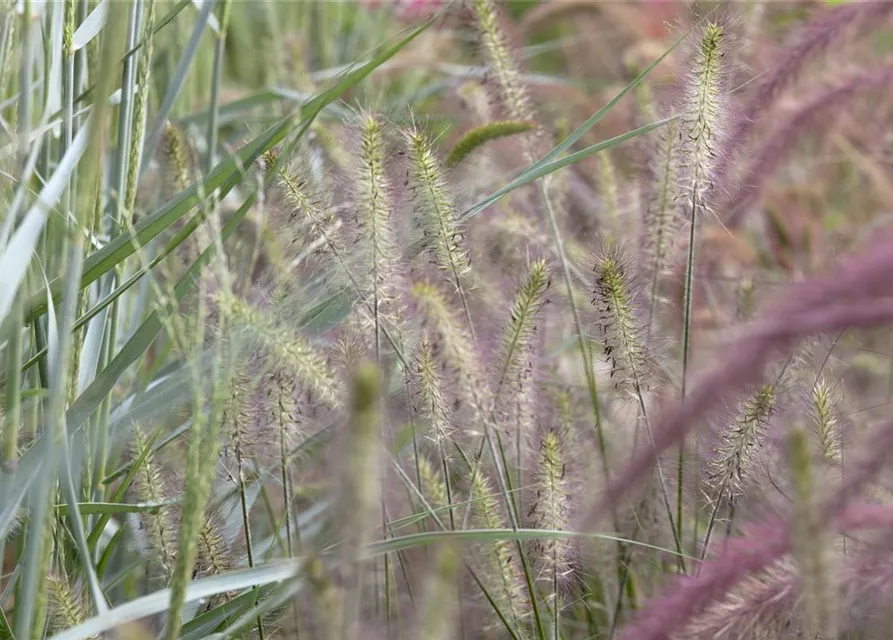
x=290 y=350
x=522 y=323
x=662 y=215
x=734 y=459
x=311 y=207
x=622 y=331
x=702 y=120
x=374 y=217
x=502 y=573
x=66 y=605
x=457 y=349
x=551 y=511
x=432 y=405
x=704 y=114
x=150 y=486
x=434 y=202
x=824 y=415
x=513 y=92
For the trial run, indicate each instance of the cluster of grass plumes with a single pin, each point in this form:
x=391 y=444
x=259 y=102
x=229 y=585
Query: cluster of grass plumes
x=276 y=365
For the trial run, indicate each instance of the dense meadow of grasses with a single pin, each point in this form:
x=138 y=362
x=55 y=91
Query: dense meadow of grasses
x=467 y=319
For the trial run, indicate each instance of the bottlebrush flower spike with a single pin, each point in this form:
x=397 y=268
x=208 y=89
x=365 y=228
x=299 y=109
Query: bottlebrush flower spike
x=432 y=405
x=374 y=210
x=621 y=329
x=733 y=461
x=456 y=345
x=551 y=511
x=704 y=114
x=825 y=418
x=434 y=202
x=502 y=573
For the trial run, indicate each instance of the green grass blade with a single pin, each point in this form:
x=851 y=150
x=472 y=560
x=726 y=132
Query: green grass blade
x=540 y=169
x=113 y=508
x=580 y=131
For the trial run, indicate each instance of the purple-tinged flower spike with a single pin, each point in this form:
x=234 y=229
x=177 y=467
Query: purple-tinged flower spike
x=816 y=37
x=852 y=294
x=743 y=193
x=664 y=617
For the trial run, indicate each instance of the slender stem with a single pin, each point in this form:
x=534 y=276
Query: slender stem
x=686 y=347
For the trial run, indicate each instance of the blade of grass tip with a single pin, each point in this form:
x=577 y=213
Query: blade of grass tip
x=173 y=87
x=158 y=601
x=91 y=26
x=580 y=131
x=539 y=170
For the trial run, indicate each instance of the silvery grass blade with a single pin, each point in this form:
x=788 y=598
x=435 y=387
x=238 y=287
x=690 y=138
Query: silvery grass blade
x=476 y=535
x=203 y=625
x=158 y=601
x=17 y=254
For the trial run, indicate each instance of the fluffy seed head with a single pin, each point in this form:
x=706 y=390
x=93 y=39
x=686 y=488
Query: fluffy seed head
x=734 y=458
x=309 y=209
x=662 y=216
x=521 y=326
x=455 y=344
x=703 y=113
x=622 y=331
x=374 y=218
x=434 y=202
x=551 y=508
x=824 y=415
x=286 y=349
x=502 y=573
x=66 y=605
x=430 y=394
x=513 y=92
x=433 y=486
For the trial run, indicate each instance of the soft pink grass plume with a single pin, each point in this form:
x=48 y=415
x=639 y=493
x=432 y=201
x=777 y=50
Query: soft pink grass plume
x=747 y=189
x=814 y=38
x=665 y=615
x=851 y=294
